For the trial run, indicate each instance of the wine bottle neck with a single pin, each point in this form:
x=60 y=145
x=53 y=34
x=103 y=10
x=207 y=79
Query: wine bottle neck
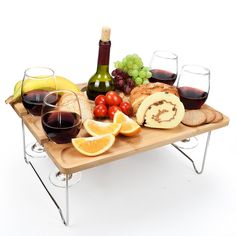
x=103 y=68
x=104 y=53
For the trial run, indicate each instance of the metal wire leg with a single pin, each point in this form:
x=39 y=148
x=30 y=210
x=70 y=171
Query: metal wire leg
x=24 y=147
x=65 y=221
x=204 y=156
x=67 y=200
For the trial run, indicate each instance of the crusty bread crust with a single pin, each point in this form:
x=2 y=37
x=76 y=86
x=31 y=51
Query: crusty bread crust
x=138 y=94
x=83 y=106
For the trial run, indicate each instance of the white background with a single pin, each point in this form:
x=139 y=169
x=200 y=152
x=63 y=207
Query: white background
x=154 y=193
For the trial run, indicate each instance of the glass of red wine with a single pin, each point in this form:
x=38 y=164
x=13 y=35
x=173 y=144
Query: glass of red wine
x=61 y=121
x=32 y=98
x=164 y=67
x=193 y=86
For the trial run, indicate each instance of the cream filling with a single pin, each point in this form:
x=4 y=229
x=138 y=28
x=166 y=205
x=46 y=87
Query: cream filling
x=160 y=112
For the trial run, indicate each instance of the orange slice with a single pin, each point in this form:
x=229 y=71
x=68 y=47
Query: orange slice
x=96 y=128
x=93 y=146
x=128 y=126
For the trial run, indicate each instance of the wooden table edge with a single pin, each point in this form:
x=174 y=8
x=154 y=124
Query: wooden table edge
x=74 y=169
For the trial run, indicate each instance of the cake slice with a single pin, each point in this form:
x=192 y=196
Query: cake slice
x=160 y=110
x=138 y=94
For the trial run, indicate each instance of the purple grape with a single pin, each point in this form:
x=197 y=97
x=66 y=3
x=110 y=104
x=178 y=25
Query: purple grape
x=116 y=85
x=114 y=73
x=121 y=83
x=125 y=75
x=130 y=82
x=118 y=77
x=127 y=89
x=119 y=71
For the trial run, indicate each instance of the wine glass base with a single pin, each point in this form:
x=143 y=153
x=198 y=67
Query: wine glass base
x=35 y=150
x=188 y=143
x=58 y=179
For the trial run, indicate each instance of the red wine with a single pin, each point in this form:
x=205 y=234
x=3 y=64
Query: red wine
x=61 y=126
x=192 y=98
x=101 y=82
x=33 y=101
x=162 y=76
x=102 y=89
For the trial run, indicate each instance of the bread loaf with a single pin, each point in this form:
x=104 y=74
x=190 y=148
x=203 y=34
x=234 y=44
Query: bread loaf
x=84 y=110
x=138 y=94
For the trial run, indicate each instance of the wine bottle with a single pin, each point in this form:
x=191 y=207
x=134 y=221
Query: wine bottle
x=101 y=82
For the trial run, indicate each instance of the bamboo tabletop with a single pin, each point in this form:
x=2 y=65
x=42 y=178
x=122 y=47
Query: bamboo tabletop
x=68 y=160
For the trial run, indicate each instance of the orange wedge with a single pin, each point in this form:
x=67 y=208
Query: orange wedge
x=96 y=128
x=128 y=126
x=93 y=146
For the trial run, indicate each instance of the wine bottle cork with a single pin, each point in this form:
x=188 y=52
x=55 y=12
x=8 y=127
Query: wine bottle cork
x=106 y=31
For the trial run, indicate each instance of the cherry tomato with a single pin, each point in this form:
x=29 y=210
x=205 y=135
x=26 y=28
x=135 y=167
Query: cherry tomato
x=100 y=99
x=126 y=108
x=100 y=111
x=113 y=99
x=112 y=110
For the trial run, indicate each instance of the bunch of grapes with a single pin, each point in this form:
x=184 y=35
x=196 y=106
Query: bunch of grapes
x=123 y=82
x=133 y=66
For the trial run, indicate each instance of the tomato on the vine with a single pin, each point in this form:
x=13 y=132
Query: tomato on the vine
x=100 y=111
x=112 y=110
x=113 y=98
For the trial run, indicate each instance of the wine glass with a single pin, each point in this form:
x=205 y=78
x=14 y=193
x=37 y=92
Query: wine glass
x=37 y=82
x=193 y=86
x=164 y=67
x=61 y=121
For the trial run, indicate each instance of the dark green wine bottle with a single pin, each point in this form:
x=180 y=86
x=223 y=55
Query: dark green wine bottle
x=101 y=82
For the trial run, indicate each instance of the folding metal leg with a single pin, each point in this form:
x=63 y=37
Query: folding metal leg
x=64 y=220
x=204 y=156
x=24 y=145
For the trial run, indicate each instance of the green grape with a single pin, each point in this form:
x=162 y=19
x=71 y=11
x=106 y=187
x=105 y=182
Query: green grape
x=145 y=81
x=135 y=73
x=129 y=57
x=149 y=74
x=130 y=73
x=145 y=68
x=130 y=65
x=118 y=64
x=125 y=69
x=138 y=81
x=142 y=74
x=139 y=64
x=133 y=65
x=124 y=61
